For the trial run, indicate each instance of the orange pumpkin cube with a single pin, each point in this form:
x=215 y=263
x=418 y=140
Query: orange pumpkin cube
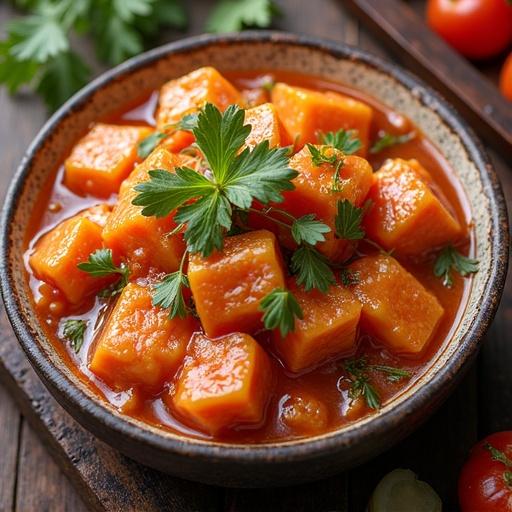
x=225 y=382
x=191 y=92
x=327 y=331
x=313 y=193
x=397 y=310
x=227 y=286
x=140 y=239
x=265 y=126
x=304 y=113
x=406 y=215
x=140 y=346
x=58 y=253
x=103 y=158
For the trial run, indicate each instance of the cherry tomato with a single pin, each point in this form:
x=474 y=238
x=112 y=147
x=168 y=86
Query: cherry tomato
x=476 y=28
x=485 y=483
x=506 y=78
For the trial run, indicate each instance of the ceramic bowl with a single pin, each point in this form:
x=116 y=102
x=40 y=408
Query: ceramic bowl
x=287 y=462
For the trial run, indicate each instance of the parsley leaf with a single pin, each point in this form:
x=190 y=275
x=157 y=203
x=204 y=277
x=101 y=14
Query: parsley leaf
x=165 y=191
x=234 y=15
x=101 y=264
x=236 y=179
x=358 y=370
x=450 y=259
x=307 y=229
x=61 y=78
x=345 y=141
x=169 y=294
x=322 y=155
x=348 y=221
x=349 y=277
x=74 y=332
x=148 y=144
x=280 y=309
x=387 y=140
x=312 y=269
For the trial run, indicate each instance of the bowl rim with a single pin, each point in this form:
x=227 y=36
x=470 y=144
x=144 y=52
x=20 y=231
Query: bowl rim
x=86 y=408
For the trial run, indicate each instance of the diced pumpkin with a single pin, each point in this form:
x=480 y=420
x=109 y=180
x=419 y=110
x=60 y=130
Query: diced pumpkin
x=265 y=126
x=144 y=240
x=406 y=215
x=191 y=92
x=224 y=382
x=313 y=194
x=397 y=310
x=140 y=346
x=228 y=286
x=304 y=113
x=327 y=331
x=103 y=158
x=178 y=140
x=304 y=414
x=58 y=253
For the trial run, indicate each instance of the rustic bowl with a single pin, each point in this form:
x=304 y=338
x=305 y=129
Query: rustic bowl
x=287 y=462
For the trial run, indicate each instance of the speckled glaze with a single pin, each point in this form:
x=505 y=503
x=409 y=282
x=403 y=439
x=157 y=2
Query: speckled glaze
x=294 y=461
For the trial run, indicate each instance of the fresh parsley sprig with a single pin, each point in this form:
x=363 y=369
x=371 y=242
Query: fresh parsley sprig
x=345 y=141
x=387 y=140
x=148 y=144
x=168 y=293
x=312 y=269
x=348 y=220
x=450 y=259
x=74 y=332
x=101 y=264
x=235 y=179
x=280 y=309
x=37 y=50
x=359 y=374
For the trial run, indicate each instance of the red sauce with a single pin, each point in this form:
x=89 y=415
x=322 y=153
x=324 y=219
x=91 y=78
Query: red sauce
x=329 y=382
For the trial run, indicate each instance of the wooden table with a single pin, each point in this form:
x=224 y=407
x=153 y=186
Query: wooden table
x=30 y=480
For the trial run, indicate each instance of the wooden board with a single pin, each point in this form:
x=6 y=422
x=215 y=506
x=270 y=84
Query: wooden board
x=107 y=481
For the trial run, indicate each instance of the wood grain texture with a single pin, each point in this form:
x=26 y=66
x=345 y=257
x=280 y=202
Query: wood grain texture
x=10 y=422
x=403 y=31
x=41 y=485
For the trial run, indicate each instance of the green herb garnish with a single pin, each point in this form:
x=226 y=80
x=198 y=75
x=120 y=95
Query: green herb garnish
x=359 y=369
x=312 y=269
x=307 y=229
x=148 y=144
x=235 y=15
x=101 y=264
x=450 y=259
x=345 y=141
x=349 y=277
x=74 y=332
x=237 y=178
x=280 y=308
x=349 y=220
x=387 y=140
x=169 y=292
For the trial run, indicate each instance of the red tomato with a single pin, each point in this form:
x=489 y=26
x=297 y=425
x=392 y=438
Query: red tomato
x=485 y=484
x=506 y=78
x=476 y=28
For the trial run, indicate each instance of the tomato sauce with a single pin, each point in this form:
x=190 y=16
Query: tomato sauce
x=329 y=382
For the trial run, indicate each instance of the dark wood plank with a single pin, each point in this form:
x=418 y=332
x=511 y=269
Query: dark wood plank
x=41 y=486
x=398 y=26
x=10 y=424
x=106 y=480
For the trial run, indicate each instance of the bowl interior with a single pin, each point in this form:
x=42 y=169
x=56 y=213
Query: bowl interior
x=395 y=89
